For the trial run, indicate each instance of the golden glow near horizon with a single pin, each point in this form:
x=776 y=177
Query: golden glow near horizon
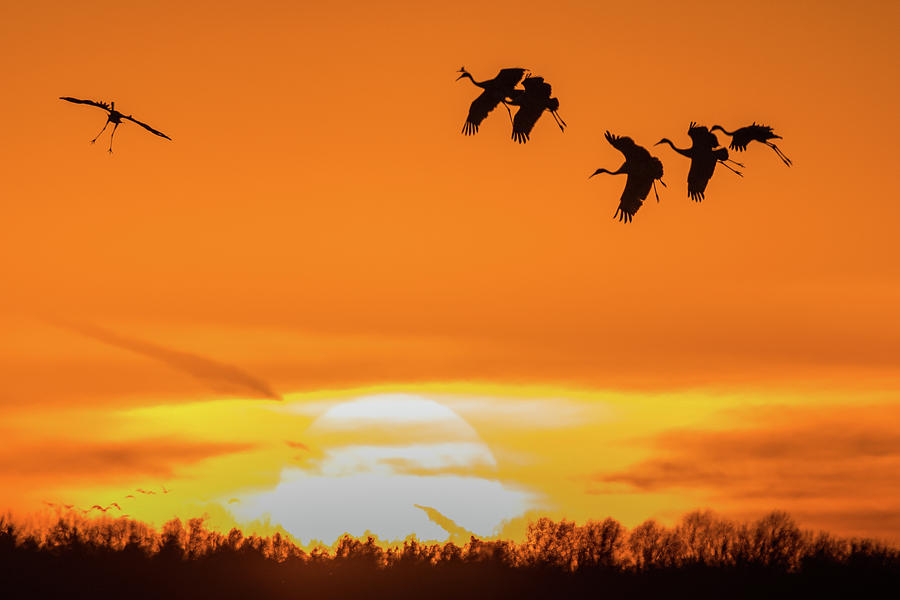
x=371 y=460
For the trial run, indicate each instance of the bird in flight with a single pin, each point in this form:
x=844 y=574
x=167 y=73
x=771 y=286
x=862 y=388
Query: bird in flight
x=113 y=116
x=643 y=171
x=754 y=133
x=496 y=90
x=532 y=101
x=704 y=155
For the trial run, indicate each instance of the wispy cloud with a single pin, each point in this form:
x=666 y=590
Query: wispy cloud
x=833 y=467
x=217 y=374
x=108 y=461
x=801 y=453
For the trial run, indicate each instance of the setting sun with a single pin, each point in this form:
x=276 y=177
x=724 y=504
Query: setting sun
x=372 y=459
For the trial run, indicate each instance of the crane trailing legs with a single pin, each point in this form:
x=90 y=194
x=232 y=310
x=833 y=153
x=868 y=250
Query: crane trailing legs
x=729 y=167
x=554 y=107
x=113 y=117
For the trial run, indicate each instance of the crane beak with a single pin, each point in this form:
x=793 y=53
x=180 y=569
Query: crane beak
x=461 y=76
x=597 y=172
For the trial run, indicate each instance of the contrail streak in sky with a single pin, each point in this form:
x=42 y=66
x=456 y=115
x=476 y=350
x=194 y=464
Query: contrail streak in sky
x=201 y=368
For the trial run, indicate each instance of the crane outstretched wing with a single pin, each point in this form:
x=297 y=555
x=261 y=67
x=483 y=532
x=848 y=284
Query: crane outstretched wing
x=524 y=121
x=500 y=87
x=637 y=187
x=623 y=144
x=147 y=127
x=761 y=132
x=509 y=78
x=700 y=173
x=702 y=137
x=478 y=111
x=102 y=105
x=632 y=197
x=739 y=140
x=536 y=85
x=745 y=135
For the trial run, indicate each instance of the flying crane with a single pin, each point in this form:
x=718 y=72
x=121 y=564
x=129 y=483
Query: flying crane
x=113 y=116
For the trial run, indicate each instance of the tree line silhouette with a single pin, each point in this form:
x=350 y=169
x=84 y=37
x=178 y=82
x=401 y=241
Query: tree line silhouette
x=701 y=556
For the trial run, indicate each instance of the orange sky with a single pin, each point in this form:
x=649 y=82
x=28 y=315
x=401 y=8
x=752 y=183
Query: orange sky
x=319 y=224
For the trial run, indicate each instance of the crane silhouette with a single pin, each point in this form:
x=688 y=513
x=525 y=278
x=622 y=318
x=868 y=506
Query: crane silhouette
x=532 y=101
x=704 y=155
x=113 y=116
x=754 y=133
x=495 y=91
x=643 y=171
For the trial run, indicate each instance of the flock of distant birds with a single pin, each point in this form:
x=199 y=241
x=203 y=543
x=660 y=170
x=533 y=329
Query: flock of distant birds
x=59 y=506
x=532 y=99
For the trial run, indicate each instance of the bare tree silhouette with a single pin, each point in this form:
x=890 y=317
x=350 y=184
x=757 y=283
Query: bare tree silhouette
x=642 y=169
x=495 y=91
x=532 y=102
x=754 y=133
x=113 y=116
x=704 y=155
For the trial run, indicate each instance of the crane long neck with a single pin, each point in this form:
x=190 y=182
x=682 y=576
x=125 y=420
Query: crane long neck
x=620 y=171
x=472 y=79
x=723 y=130
x=683 y=152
